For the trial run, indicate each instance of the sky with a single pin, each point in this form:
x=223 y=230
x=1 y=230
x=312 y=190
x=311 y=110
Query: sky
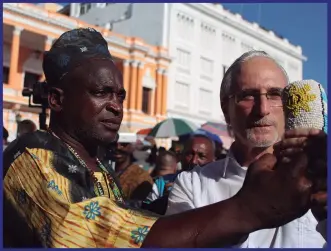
x=303 y=24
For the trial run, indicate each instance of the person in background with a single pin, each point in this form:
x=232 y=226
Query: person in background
x=153 y=156
x=164 y=175
x=5 y=136
x=165 y=164
x=251 y=101
x=220 y=152
x=26 y=126
x=199 y=150
x=178 y=149
x=141 y=153
x=136 y=183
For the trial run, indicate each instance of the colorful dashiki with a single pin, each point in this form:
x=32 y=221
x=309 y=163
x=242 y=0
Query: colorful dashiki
x=50 y=201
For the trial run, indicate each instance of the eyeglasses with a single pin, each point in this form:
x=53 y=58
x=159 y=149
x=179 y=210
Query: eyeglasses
x=248 y=98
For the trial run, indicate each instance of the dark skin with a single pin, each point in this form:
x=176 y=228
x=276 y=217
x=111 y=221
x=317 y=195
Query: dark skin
x=87 y=109
x=314 y=143
x=123 y=156
x=198 y=151
x=167 y=164
x=96 y=93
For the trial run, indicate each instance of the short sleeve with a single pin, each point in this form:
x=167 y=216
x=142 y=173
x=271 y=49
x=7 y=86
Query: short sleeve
x=181 y=195
x=153 y=195
x=39 y=195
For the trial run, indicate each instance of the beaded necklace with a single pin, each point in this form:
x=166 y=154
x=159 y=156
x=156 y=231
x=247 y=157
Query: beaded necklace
x=96 y=184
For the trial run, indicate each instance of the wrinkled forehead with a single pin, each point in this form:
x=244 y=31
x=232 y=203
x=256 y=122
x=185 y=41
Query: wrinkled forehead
x=200 y=143
x=260 y=74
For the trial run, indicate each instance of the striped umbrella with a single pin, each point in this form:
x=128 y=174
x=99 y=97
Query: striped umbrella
x=172 y=128
x=144 y=131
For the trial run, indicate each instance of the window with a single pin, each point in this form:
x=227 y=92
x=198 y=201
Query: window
x=84 y=8
x=146 y=99
x=207 y=66
x=182 y=94
x=185 y=26
x=207 y=36
x=5 y=75
x=30 y=79
x=183 y=59
x=229 y=48
x=205 y=102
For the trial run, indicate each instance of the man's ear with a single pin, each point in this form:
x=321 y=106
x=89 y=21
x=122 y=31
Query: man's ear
x=55 y=99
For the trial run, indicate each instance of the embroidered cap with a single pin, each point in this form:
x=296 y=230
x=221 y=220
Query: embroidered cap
x=70 y=49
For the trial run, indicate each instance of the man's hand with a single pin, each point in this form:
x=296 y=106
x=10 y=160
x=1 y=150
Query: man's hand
x=313 y=142
x=275 y=196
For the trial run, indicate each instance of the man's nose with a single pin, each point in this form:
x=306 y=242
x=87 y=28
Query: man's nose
x=195 y=160
x=114 y=107
x=262 y=107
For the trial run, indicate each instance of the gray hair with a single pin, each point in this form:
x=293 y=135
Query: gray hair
x=228 y=79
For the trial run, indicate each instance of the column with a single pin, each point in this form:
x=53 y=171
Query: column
x=158 y=97
x=126 y=81
x=48 y=43
x=164 y=92
x=133 y=85
x=140 y=87
x=47 y=47
x=14 y=82
x=152 y=102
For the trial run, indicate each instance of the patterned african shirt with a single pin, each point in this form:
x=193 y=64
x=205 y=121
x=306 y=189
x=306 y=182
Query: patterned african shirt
x=136 y=183
x=50 y=201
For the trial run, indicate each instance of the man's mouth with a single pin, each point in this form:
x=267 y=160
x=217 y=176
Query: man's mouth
x=261 y=125
x=111 y=124
x=118 y=156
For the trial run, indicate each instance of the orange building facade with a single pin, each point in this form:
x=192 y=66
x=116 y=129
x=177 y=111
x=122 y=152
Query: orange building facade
x=29 y=30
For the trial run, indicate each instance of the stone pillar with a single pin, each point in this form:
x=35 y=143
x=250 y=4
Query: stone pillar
x=140 y=87
x=158 y=96
x=152 y=104
x=14 y=82
x=126 y=81
x=133 y=85
x=164 y=92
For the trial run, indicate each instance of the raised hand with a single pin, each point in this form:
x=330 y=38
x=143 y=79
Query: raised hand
x=276 y=192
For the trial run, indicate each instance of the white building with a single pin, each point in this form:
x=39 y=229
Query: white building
x=203 y=40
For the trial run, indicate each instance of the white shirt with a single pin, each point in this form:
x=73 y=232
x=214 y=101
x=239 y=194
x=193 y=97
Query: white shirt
x=154 y=194
x=221 y=180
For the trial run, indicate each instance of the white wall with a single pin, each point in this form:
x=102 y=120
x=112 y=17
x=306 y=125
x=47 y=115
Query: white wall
x=190 y=35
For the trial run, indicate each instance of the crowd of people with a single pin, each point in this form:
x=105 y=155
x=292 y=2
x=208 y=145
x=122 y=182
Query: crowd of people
x=23 y=127
x=83 y=184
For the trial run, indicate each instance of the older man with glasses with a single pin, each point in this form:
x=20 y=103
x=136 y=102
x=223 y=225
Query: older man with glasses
x=251 y=100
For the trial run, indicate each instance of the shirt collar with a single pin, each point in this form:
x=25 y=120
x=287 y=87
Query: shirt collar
x=232 y=166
